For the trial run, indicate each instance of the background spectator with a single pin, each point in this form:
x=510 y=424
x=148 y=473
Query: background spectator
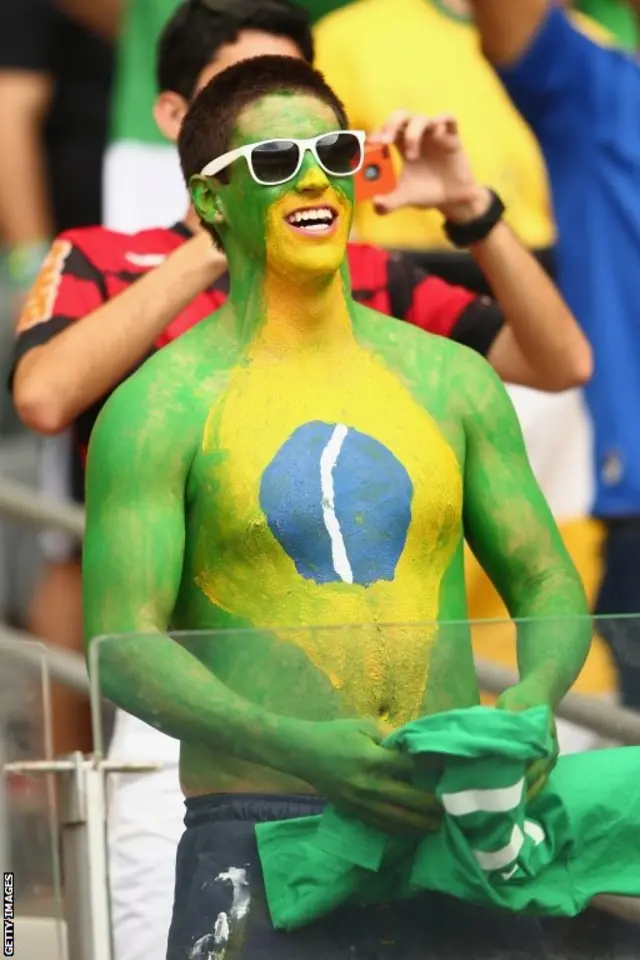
x=579 y=99
x=54 y=94
x=55 y=76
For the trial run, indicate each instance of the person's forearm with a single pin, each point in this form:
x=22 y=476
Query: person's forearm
x=507 y=27
x=541 y=345
x=106 y=346
x=546 y=334
x=161 y=683
x=25 y=215
x=554 y=633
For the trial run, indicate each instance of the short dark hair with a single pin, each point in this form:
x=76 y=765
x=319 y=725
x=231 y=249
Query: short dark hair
x=208 y=125
x=198 y=29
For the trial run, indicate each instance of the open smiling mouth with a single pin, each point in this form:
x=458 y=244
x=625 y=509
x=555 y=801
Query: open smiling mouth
x=319 y=221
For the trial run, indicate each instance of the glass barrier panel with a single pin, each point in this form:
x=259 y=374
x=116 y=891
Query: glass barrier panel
x=272 y=720
x=29 y=838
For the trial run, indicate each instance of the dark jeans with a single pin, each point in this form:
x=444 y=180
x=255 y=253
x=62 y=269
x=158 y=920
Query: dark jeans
x=220 y=908
x=620 y=594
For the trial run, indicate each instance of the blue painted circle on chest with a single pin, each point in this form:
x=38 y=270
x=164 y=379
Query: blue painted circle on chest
x=339 y=504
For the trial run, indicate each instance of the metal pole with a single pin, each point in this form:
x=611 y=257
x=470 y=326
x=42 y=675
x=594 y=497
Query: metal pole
x=83 y=815
x=63 y=666
x=23 y=503
x=86 y=898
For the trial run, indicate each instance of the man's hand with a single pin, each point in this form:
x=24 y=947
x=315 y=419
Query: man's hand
x=522 y=697
x=437 y=174
x=345 y=762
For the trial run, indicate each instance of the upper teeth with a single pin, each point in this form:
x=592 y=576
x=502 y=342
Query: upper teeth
x=320 y=213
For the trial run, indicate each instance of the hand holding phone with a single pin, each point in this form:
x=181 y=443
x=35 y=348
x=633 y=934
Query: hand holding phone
x=376 y=177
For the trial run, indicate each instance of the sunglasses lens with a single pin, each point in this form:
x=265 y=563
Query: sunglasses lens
x=339 y=153
x=275 y=161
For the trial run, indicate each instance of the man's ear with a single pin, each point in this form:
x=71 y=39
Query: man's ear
x=169 y=111
x=206 y=199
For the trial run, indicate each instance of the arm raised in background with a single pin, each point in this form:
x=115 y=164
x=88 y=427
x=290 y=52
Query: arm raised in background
x=507 y=28
x=63 y=371
x=540 y=344
x=567 y=86
x=511 y=531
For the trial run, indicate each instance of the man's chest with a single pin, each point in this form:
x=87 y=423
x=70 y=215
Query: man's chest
x=321 y=475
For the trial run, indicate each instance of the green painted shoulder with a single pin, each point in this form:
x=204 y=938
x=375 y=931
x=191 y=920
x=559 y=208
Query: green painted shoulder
x=421 y=355
x=472 y=381
x=156 y=413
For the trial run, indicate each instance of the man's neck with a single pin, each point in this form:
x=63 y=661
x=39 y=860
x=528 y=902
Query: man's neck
x=285 y=314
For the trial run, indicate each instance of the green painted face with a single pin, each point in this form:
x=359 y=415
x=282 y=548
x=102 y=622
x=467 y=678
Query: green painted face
x=251 y=218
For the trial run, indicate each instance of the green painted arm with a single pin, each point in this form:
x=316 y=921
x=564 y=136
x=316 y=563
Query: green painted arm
x=138 y=464
x=514 y=536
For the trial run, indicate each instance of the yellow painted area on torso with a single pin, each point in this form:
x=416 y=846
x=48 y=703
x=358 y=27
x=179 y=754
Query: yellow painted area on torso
x=241 y=565
x=381 y=56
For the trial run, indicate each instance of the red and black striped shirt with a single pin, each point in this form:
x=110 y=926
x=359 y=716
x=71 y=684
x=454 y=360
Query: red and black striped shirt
x=88 y=266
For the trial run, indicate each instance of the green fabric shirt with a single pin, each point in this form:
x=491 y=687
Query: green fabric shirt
x=580 y=837
x=617 y=16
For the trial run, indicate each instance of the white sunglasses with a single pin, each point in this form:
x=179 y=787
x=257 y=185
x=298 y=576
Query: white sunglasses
x=273 y=162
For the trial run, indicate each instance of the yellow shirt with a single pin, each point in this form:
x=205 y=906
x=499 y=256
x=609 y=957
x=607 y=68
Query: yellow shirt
x=385 y=55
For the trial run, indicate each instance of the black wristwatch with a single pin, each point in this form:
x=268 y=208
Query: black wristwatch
x=464 y=235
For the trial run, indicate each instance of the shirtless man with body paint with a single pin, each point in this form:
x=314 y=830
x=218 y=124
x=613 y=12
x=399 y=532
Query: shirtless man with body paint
x=299 y=461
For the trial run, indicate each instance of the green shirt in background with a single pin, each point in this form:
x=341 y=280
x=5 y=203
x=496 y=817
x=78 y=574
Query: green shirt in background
x=135 y=87
x=617 y=16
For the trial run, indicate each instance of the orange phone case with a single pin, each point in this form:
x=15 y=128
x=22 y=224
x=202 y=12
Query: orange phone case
x=376 y=176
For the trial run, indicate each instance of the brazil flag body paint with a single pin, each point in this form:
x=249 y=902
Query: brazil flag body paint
x=340 y=503
x=299 y=462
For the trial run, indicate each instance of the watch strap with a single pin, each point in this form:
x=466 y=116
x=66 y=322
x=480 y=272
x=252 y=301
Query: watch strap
x=463 y=235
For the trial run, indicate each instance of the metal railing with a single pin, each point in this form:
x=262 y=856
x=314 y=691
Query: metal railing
x=85 y=775
x=63 y=666
x=20 y=502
